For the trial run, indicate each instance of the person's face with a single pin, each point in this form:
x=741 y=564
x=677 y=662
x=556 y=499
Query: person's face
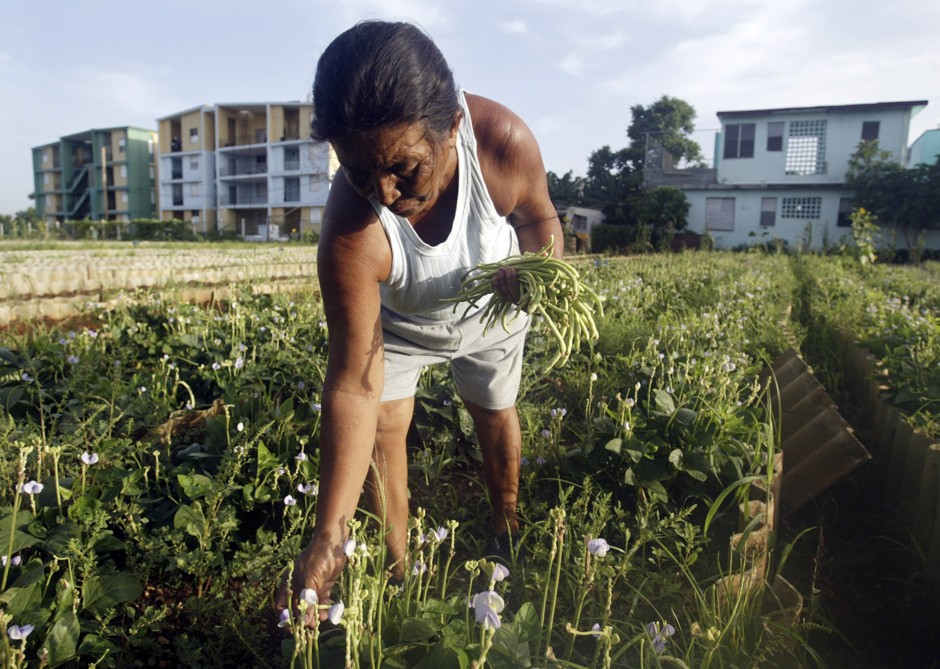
x=401 y=166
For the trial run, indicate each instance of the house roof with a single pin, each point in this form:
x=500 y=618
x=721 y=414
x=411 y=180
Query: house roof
x=915 y=105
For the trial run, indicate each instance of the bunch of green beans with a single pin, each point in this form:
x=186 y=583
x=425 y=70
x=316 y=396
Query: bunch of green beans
x=548 y=287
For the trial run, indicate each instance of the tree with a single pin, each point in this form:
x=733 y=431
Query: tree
x=659 y=134
x=663 y=207
x=567 y=189
x=612 y=183
x=906 y=199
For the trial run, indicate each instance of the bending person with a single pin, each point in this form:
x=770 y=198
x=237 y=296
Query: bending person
x=434 y=181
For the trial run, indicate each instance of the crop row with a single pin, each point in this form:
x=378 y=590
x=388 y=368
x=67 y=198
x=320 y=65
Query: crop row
x=167 y=462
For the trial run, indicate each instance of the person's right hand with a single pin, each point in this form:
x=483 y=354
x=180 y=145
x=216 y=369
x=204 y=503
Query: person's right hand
x=317 y=568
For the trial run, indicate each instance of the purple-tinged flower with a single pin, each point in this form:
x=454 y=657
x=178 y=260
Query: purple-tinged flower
x=524 y=461
x=216 y=366
x=63 y=341
x=630 y=402
x=188 y=405
x=596 y=630
x=32 y=487
x=290 y=501
x=239 y=362
x=72 y=359
x=440 y=533
x=349 y=547
x=660 y=633
x=418 y=568
x=540 y=461
x=284 y=620
x=500 y=572
x=301 y=457
x=598 y=547
x=308 y=489
x=19 y=632
x=487 y=606
x=546 y=434
x=335 y=614
x=27 y=378
x=447 y=402
x=90 y=458
x=16 y=560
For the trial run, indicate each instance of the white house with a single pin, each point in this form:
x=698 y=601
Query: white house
x=780 y=173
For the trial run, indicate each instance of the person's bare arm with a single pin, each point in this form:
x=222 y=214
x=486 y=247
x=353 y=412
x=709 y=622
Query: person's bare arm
x=516 y=180
x=349 y=266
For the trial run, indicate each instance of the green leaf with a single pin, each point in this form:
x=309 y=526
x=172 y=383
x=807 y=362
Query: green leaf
x=191 y=519
x=25 y=594
x=195 y=485
x=84 y=508
x=444 y=655
x=685 y=417
x=266 y=459
x=96 y=646
x=675 y=458
x=614 y=445
x=58 y=538
x=62 y=640
x=418 y=629
x=101 y=594
x=21 y=539
x=664 y=402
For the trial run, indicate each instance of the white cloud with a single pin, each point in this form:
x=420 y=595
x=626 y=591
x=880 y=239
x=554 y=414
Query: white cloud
x=513 y=27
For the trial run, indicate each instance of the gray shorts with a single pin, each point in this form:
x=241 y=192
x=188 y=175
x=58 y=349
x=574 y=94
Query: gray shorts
x=487 y=369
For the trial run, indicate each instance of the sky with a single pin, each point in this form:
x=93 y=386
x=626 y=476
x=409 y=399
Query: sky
x=572 y=69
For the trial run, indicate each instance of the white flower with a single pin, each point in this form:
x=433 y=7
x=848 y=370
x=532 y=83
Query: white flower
x=487 y=606
x=16 y=560
x=240 y=427
x=90 y=458
x=309 y=489
x=349 y=547
x=596 y=630
x=335 y=614
x=500 y=572
x=598 y=547
x=308 y=598
x=32 y=487
x=289 y=501
x=300 y=457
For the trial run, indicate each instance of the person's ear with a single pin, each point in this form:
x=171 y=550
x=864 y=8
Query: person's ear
x=455 y=127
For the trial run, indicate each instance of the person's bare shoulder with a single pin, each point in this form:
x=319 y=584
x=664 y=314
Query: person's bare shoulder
x=508 y=151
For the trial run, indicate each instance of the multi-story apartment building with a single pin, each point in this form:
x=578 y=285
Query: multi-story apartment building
x=99 y=174
x=248 y=168
x=780 y=173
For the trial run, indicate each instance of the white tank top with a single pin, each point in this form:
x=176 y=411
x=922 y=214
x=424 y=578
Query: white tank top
x=422 y=275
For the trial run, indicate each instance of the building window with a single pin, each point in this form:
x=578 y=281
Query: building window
x=194 y=189
x=775 y=136
x=194 y=162
x=292 y=189
x=719 y=213
x=124 y=171
x=739 y=140
x=801 y=207
x=122 y=144
x=845 y=213
x=768 y=211
x=150 y=146
x=124 y=197
x=177 y=195
x=45 y=157
x=806 y=148
x=870 y=130
x=194 y=135
x=45 y=178
x=292 y=158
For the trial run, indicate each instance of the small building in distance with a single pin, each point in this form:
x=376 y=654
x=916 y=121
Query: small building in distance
x=779 y=174
x=244 y=168
x=99 y=174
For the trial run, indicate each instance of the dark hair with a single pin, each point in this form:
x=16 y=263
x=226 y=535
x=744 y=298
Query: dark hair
x=377 y=74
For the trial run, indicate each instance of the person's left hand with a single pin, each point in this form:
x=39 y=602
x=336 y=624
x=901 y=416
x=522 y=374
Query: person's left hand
x=506 y=283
